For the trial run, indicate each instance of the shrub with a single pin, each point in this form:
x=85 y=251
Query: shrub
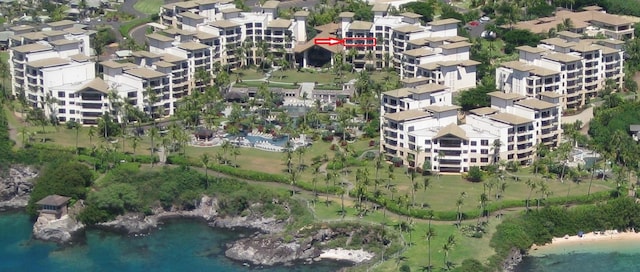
x=475 y=174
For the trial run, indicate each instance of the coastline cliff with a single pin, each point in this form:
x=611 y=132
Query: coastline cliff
x=15 y=187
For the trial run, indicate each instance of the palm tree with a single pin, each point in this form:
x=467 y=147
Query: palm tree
x=483 y=203
x=429 y=235
x=459 y=203
x=204 y=159
x=25 y=134
x=134 y=144
x=451 y=241
x=91 y=133
x=532 y=186
x=235 y=151
x=76 y=126
x=153 y=133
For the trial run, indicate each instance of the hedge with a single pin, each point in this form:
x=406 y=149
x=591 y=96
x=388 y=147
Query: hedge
x=491 y=207
x=251 y=175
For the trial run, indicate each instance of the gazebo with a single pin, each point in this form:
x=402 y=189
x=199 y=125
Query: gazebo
x=55 y=205
x=203 y=134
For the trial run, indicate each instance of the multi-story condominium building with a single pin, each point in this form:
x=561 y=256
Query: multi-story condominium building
x=40 y=61
x=236 y=35
x=591 y=21
x=574 y=69
x=433 y=51
x=420 y=125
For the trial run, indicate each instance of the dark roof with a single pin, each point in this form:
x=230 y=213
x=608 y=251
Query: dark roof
x=54 y=200
x=203 y=133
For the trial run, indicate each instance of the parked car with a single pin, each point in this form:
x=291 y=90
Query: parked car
x=484 y=19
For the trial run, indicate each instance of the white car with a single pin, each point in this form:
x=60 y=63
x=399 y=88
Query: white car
x=484 y=19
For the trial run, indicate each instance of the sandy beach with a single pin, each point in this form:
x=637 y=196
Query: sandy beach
x=356 y=256
x=589 y=238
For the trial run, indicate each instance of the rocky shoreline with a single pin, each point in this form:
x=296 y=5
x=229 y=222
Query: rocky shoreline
x=268 y=246
x=15 y=187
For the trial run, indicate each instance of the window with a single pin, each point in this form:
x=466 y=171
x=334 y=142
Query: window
x=61 y=111
x=473 y=143
x=473 y=159
x=484 y=151
x=72 y=111
x=484 y=160
x=484 y=142
x=61 y=94
x=473 y=151
x=427 y=141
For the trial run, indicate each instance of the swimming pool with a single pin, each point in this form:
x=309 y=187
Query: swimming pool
x=254 y=139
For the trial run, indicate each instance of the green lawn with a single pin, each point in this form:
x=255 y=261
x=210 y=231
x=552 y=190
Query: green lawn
x=416 y=255
x=148 y=6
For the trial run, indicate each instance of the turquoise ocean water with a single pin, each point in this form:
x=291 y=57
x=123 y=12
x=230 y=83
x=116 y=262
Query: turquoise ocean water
x=182 y=245
x=594 y=256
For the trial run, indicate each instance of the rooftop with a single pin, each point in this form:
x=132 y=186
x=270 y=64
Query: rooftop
x=96 y=84
x=346 y=14
x=280 y=23
x=172 y=58
x=224 y=24
x=484 y=111
x=551 y=94
x=455 y=45
x=61 y=23
x=420 y=52
x=427 y=88
x=230 y=10
x=361 y=25
x=435 y=108
x=559 y=57
x=411 y=15
x=454 y=130
x=444 y=22
x=144 y=73
x=43 y=63
x=509 y=118
x=535 y=104
x=408 y=28
x=29 y=48
x=54 y=200
x=406 y=115
x=506 y=96
x=380 y=7
x=530 y=49
x=191 y=15
x=159 y=37
x=144 y=54
x=270 y=4
x=61 y=42
x=192 y=46
x=163 y=64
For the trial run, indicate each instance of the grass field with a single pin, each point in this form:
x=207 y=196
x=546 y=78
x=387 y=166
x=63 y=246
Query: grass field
x=148 y=6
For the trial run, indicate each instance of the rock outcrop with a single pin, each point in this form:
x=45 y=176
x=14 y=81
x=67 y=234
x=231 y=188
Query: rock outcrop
x=15 y=187
x=56 y=230
x=270 y=250
x=513 y=259
x=135 y=223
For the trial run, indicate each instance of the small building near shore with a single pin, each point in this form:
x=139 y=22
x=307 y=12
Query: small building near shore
x=54 y=206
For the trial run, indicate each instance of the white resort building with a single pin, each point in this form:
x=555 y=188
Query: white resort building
x=420 y=125
x=565 y=66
